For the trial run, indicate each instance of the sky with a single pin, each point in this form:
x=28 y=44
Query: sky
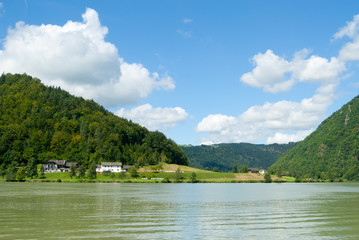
x=201 y=72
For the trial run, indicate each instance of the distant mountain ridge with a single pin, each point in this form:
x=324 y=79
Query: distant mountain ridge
x=227 y=155
x=331 y=151
x=40 y=123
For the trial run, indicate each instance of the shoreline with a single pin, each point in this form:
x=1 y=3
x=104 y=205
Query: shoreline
x=162 y=182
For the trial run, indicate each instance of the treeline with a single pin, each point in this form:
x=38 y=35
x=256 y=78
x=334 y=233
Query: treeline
x=40 y=123
x=226 y=156
x=330 y=152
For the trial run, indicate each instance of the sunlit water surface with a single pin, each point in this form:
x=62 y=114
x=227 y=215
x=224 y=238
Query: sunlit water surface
x=179 y=211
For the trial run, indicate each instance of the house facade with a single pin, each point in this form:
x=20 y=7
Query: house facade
x=257 y=170
x=58 y=165
x=114 y=167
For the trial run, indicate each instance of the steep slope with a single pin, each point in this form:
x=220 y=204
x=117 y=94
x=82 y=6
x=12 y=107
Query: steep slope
x=331 y=151
x=226 y=156
x=42 y=123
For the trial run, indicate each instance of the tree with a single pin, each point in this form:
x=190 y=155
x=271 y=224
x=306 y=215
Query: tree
x=298 y=179
x=193 y=177
x=279 y=171
x=121 y=175
x=157 y=167
x=82 y=171
x=11 y=173
x=42 y=172
x=133 y=172
x=244 y=169
x=207 y=169
x=267 y=178
x=235 y=169
x=215 y=169
x=177 y=175
x=72 y=172
x=32 y=168
x=21 y=174
x=91 y=173
x=2 y=172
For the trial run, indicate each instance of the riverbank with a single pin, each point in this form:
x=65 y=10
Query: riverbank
x=167 y=173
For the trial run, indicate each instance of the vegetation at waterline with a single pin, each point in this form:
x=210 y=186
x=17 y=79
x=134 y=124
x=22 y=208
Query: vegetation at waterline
x=170 y=173
x=39 y=123
x=330 y=152
x=225 y=157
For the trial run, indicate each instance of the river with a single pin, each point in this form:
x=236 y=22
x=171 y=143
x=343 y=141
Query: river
x=179 y=211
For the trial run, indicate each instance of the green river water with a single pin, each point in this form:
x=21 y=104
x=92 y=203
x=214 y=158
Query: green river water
x=179 y=211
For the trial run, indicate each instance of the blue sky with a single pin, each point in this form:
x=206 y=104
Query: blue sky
x=199 y=71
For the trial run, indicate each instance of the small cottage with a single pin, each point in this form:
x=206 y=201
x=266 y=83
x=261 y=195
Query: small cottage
x=58 y=166
x=54 y=165
x=114 y=167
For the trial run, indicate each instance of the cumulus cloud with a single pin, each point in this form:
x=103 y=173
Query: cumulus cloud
x=286 y=121
x=283 y=138
x=77 y=58
x=154 y=118
x=350 y=51
x=282 y=121
x=268 y=73
x=275 y=74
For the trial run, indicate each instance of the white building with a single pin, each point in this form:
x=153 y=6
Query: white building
x=114 y=167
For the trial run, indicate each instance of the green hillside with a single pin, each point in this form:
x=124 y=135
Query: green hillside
x=226 y=156
x=329 y=152
x=41 y=123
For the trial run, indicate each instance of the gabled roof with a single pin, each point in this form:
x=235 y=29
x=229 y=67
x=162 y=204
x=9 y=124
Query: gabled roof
x=119 y=164
x=69 y=164
x=57 y=162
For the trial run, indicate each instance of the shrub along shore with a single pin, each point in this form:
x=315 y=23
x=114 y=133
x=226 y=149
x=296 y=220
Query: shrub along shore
x=165 y=173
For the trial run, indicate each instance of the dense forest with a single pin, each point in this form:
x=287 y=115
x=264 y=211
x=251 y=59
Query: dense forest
x=331 y=151
x=227 y=156
x=39 y=123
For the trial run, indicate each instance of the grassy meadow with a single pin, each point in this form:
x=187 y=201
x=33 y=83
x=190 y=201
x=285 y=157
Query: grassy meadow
x=165 y=173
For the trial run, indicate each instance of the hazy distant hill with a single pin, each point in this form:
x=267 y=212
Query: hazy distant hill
x=42 y=123
x=329 y=152
x=226 y=156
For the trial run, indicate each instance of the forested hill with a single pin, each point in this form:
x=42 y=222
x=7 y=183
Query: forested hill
x=331 y=151
x=226 y=156
x=41 y=123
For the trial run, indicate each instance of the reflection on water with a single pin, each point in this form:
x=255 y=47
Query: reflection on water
x=179 y=211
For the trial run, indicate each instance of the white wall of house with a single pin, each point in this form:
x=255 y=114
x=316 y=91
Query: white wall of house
x=109 y=168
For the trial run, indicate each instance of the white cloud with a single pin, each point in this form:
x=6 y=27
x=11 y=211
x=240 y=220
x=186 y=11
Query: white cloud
x=286 y=138
x=275 y=74
x=318 y=69
x=154 y=118
x=283 y=120
x=351 y=29
x=286 y=121
x=77 y=58
x=215 y=123
x=269 y=73
x=350 y=51
x=187 y=20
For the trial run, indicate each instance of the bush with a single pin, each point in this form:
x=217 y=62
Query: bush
x=267 y=178
x=133 y=172
x=298 y=179
x=166 y=180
